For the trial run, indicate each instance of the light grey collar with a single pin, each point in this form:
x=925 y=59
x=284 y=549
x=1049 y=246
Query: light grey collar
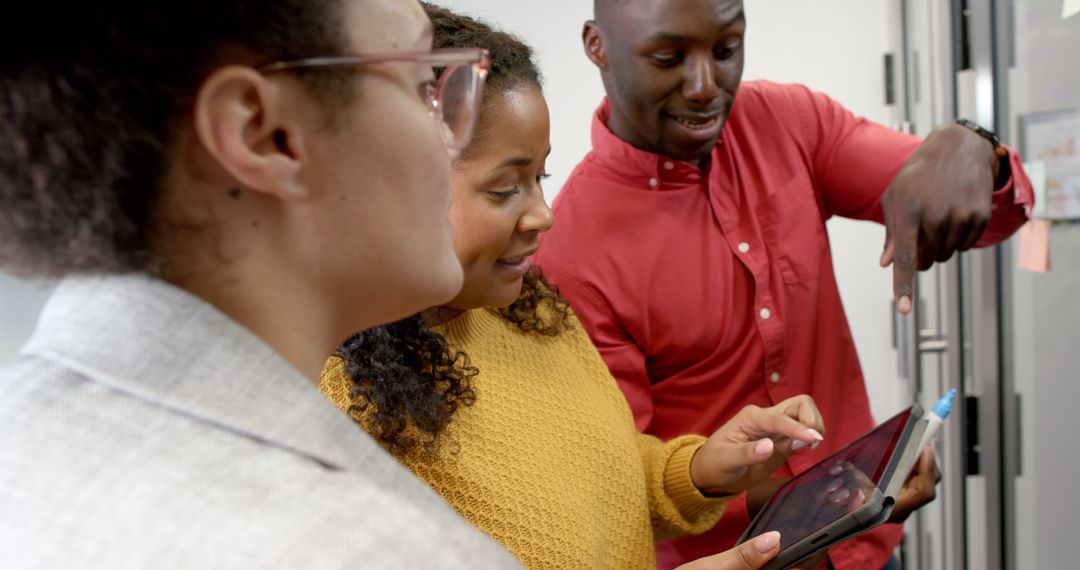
x=151 y=340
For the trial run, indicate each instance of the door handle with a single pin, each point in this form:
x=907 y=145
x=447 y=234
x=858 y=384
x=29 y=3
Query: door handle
x=906 y=127
x=932 y=340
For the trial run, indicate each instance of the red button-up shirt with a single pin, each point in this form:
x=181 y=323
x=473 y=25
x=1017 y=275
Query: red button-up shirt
x=708 y=291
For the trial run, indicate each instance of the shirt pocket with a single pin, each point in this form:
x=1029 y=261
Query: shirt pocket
x=794 y=231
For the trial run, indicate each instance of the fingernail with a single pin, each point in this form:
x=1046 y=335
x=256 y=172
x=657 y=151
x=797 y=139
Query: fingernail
x=841 y=496
x=815 y=445
x=904 y=305
x=836 y=469
x=764 y=447
x=835 y=485
x=861 y=496
x=815 y=434
x=797 y=445
x=767 y=542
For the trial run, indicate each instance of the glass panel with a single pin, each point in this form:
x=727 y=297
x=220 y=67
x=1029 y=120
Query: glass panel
x=1039 y=112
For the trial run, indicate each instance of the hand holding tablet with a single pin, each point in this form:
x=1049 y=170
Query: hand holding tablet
x=849 y=492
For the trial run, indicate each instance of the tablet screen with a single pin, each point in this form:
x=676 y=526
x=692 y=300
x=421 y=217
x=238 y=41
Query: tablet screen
x=838 y=485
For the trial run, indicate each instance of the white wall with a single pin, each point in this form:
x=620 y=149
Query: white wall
x=834 y=46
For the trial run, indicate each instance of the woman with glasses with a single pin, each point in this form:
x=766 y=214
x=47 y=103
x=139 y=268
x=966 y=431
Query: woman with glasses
x=184 y=168
x=498 y=399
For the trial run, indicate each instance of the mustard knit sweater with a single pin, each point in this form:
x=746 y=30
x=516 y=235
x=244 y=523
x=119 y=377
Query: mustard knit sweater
x=548 y=461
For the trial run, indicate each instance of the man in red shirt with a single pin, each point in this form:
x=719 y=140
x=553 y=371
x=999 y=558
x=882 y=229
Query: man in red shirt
x=691 y=241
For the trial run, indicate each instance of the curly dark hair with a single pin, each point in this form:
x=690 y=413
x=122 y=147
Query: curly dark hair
x=90 y=100
x=539 y=308
x=406 y=374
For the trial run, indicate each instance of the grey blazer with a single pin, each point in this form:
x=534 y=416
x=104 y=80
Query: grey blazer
x=142 y=428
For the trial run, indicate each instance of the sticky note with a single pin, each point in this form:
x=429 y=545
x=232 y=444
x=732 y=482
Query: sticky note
x=1035 y=246
x=1070 y=8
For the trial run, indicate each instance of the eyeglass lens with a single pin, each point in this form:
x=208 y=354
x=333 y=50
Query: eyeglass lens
x=460 y=89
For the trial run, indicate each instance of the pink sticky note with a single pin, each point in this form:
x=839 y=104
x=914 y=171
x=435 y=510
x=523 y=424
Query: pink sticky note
x=1035 y=246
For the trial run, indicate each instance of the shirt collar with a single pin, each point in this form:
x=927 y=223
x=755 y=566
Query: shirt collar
x=160 y=344
x=640 y=168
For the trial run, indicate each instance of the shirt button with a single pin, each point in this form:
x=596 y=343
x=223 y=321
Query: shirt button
x=766 y=314
x=775 y=378
x=654 y=182
x=669 y=165
x=744 y=247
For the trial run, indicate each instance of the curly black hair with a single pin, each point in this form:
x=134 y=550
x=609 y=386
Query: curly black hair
x=405 y=374
x=539 y=308
x=406 y=377
x=89 y=104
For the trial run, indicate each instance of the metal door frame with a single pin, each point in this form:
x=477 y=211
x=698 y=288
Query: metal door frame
x=970 y=291
x=986 y=301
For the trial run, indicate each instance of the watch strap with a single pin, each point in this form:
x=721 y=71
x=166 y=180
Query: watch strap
x=984 y=133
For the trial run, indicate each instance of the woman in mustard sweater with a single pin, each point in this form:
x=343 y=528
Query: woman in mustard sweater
x=542 y=452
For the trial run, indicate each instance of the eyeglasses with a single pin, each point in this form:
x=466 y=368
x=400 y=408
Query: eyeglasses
x=453 y=99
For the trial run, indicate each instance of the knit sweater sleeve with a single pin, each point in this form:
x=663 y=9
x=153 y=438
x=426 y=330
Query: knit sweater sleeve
x=676 y=506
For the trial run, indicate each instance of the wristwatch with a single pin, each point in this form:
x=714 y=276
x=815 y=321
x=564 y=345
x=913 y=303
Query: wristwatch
x=1004 y=173
x=984 y=133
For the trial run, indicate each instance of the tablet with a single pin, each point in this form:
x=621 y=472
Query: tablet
x=847 y=493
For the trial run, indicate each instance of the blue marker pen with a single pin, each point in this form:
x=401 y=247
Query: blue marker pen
x=936 y=418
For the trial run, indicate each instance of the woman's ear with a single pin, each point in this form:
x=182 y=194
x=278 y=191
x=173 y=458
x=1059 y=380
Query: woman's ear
x=245 y=122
